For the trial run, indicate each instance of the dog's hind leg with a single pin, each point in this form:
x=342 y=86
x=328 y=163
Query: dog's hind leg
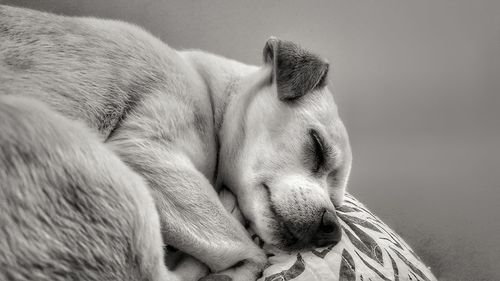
x=69 y=207
x=192 y=217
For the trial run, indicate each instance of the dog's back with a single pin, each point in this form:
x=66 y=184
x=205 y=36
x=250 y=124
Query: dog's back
x=89 y=69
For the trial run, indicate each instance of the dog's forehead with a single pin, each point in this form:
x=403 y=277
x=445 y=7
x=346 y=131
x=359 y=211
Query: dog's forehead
x=319 y=111
x=319 y=107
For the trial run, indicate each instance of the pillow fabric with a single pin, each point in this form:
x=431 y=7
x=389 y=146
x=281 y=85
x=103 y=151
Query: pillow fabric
x=369 y=251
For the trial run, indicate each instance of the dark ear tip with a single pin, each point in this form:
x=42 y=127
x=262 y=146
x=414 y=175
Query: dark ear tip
x=272 y=39
x=324 y=74
x=269 y=49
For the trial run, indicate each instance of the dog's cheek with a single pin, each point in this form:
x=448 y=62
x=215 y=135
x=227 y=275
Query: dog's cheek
x=337 y=196
x=263 y=222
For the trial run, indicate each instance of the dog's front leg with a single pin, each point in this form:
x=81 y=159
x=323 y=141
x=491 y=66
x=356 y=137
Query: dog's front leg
x=193 y=218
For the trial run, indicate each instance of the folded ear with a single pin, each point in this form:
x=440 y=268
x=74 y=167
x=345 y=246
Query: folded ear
x=296 y=71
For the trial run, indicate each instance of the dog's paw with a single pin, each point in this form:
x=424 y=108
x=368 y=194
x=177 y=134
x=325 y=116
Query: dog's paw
x=216 y=277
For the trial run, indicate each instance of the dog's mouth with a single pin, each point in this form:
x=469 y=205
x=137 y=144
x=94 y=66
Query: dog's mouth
x=284 y=237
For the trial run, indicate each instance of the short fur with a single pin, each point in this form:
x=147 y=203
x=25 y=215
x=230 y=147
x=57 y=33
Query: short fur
x=71 y=210
x=113 y=143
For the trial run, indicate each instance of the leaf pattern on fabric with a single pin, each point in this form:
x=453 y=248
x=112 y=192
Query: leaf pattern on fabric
x=397 y=241
x=351 y=200
x=394 y=242
x=354 y=220
x=368 y=251
x=347 y=267
x=356 y=242
x=295 y=270
x=411 y=265
x=347 y=209
x=365 y=243
x=373 y=268
x=323 y=253
x=414 y=277
x=394 y=266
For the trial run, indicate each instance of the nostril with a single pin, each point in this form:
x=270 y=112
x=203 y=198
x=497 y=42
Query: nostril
x=329 y=232
x=329 y=222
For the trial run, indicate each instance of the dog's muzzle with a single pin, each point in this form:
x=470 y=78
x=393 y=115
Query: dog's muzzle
x=325 y=232
x=303 y=229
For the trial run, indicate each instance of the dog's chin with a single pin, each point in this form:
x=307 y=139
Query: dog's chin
x=274 y=231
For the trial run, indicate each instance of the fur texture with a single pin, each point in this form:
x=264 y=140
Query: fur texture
x=296 y=71
x=87 y=217
x=113 y=136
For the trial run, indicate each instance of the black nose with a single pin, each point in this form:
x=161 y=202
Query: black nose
x=329 y=232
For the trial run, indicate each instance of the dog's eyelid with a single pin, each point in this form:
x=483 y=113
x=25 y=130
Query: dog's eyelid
x=320 y=150
x=316 y=138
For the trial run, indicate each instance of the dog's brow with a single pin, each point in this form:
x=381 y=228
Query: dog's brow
x=332 y=153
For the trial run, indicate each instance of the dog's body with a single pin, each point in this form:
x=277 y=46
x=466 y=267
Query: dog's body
x=107 y=133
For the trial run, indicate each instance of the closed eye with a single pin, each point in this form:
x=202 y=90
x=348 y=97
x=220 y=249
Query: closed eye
x=318 y=148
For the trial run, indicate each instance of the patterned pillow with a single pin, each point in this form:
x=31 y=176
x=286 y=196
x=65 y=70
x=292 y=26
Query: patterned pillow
x=369 y=251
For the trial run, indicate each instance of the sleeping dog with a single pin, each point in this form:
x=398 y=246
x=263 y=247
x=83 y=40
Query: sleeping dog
x=113 y=144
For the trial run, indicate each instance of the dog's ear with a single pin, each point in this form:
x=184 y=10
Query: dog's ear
x=296 y=71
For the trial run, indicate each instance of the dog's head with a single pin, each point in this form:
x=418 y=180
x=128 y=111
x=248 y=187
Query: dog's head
x=285 y=152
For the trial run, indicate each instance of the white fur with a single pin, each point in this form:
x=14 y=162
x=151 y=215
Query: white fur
x=188 y=123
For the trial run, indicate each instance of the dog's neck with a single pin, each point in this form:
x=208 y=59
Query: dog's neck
x=231 y=86
x=222 y=77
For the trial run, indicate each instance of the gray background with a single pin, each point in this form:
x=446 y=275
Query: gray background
x=418 y=85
